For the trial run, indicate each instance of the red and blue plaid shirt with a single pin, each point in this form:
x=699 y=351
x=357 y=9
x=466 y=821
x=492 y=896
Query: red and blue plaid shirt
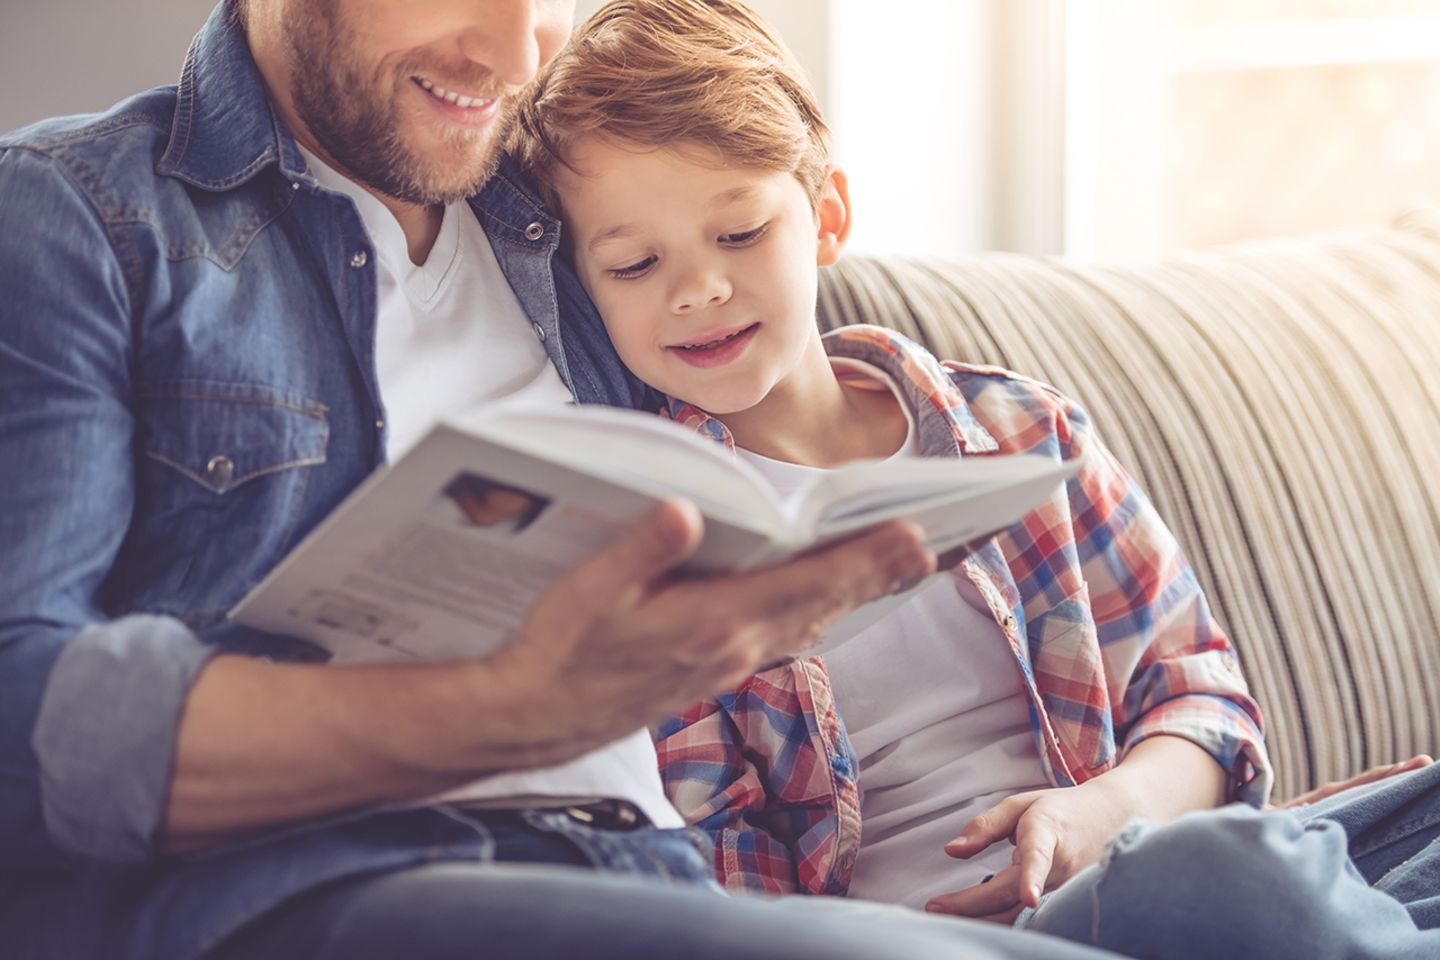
x=1106 y=621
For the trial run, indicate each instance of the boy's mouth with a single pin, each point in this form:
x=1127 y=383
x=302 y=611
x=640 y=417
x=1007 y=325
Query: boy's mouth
x=715 y=349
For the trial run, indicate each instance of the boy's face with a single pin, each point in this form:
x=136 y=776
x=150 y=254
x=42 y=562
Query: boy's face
x=410 y=96
x=704 y=274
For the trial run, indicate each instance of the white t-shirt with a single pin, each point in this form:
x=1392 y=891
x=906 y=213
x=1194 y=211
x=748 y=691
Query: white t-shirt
x=935 y=707
x=451 y=336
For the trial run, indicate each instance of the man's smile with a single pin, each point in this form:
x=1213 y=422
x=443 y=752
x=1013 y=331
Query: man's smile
x=463 y=101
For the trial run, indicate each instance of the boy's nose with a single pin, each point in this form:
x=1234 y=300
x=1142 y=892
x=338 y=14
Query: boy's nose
x=707 y=288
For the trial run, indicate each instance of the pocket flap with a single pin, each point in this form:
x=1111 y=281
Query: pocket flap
x=221 y=435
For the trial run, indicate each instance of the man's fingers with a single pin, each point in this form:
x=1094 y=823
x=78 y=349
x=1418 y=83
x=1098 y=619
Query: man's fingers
x=661 y=541
x=954 y=555
x=817 y=589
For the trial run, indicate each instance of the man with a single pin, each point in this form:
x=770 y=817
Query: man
x=225 y=304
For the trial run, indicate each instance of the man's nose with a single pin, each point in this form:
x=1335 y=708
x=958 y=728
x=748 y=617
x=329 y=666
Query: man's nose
x=505 y=38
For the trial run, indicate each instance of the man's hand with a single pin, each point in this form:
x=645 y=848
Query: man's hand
x=616 y=644
x=621 y=641
x=1372 y=775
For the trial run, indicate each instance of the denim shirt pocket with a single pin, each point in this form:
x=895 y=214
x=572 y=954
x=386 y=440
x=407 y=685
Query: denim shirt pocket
x=222 y=483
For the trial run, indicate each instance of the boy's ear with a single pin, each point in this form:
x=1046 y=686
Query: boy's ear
x=833 y=212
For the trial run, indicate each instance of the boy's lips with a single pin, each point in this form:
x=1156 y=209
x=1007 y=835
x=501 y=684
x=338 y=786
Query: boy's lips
x=715 y=348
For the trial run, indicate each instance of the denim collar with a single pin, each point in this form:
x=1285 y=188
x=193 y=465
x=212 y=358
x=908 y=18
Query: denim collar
x=225 y=130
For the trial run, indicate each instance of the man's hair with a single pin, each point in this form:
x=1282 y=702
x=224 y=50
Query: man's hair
x=664 y=73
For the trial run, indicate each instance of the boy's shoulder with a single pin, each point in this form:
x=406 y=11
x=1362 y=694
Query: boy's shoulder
x=977 y=384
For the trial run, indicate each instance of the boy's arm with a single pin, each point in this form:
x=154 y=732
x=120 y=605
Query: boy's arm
x=738 y=767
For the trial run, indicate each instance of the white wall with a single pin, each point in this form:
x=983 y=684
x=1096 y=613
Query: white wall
x=911 y=89
x=79 y=56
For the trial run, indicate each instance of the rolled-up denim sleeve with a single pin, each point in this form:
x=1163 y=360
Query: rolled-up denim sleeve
x=89 y=705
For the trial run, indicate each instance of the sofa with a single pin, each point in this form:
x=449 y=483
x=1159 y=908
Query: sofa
x=1280 y=402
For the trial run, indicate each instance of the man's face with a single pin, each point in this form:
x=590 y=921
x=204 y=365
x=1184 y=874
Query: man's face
x=411 y=97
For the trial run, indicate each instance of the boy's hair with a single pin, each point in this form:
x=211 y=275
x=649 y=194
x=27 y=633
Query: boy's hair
x=661 y=73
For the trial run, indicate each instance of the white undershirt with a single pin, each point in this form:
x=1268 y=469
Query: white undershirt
x=934 y=704
x=451 y=336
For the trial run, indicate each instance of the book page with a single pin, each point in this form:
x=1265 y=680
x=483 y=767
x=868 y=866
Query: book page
x=441 y=556
x=953 y=501
x=641 y=451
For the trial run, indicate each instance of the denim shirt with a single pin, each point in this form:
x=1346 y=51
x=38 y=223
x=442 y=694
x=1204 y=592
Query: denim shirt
x=187 y=386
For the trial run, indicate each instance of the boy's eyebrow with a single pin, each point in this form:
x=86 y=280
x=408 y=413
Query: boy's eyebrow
x=614 y=233
x=733 y=195
x=722 y=199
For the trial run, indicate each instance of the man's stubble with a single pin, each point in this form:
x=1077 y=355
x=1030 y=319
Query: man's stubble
x=355 y=114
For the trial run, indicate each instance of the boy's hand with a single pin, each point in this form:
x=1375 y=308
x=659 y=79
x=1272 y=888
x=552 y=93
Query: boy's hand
x=1056 y=833
x=1059 y=832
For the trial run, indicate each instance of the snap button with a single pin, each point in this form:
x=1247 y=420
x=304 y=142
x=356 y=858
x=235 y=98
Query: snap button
x=359 y=259
x=539 y=331
x=220 y=471
x=535 y=231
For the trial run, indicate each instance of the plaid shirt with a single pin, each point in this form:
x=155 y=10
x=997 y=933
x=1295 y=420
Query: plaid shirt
x=1120 y=640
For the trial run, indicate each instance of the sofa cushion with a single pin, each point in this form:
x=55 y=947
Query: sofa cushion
x=1280 y=401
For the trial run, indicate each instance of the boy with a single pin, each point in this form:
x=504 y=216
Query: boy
x=686 y=156
x=1063 y=679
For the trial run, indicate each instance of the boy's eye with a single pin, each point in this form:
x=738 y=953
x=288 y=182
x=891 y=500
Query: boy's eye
x=634 y=270
x=744 y=238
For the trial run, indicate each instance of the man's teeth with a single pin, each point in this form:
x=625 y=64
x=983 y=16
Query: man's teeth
x=450 y=96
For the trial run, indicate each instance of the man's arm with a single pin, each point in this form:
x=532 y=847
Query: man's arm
x=615 y=645
x=118 y=733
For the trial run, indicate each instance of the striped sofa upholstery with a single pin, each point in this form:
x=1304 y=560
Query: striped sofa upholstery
x=1280 y=401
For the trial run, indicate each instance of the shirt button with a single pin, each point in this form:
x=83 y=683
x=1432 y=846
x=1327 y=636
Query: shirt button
x=220 y=471
x=379 y=424
x=539 y=331
x=535 y=231
x=359 y=259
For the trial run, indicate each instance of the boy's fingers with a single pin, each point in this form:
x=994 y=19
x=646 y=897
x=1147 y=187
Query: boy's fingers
x=1360 y=779
x=998 y=895
x=990 y=827
x=1035 y=853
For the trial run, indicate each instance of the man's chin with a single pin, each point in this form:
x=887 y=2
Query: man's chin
x=445 y=172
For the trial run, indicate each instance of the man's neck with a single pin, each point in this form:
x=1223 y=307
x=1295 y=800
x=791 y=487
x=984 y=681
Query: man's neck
x=419 y=222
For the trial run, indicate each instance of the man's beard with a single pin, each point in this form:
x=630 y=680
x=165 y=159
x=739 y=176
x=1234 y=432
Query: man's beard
x=346 y=110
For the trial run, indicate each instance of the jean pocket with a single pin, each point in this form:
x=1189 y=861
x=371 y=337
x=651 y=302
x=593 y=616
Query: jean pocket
x=682 y=854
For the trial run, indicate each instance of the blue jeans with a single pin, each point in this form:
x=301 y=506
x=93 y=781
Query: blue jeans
x=1354 y=876
x=560 y=890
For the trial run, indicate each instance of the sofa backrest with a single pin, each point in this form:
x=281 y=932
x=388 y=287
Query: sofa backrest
x=1280 y=402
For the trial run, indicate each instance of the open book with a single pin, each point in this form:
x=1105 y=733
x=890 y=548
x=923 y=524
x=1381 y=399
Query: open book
x=440 y=555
